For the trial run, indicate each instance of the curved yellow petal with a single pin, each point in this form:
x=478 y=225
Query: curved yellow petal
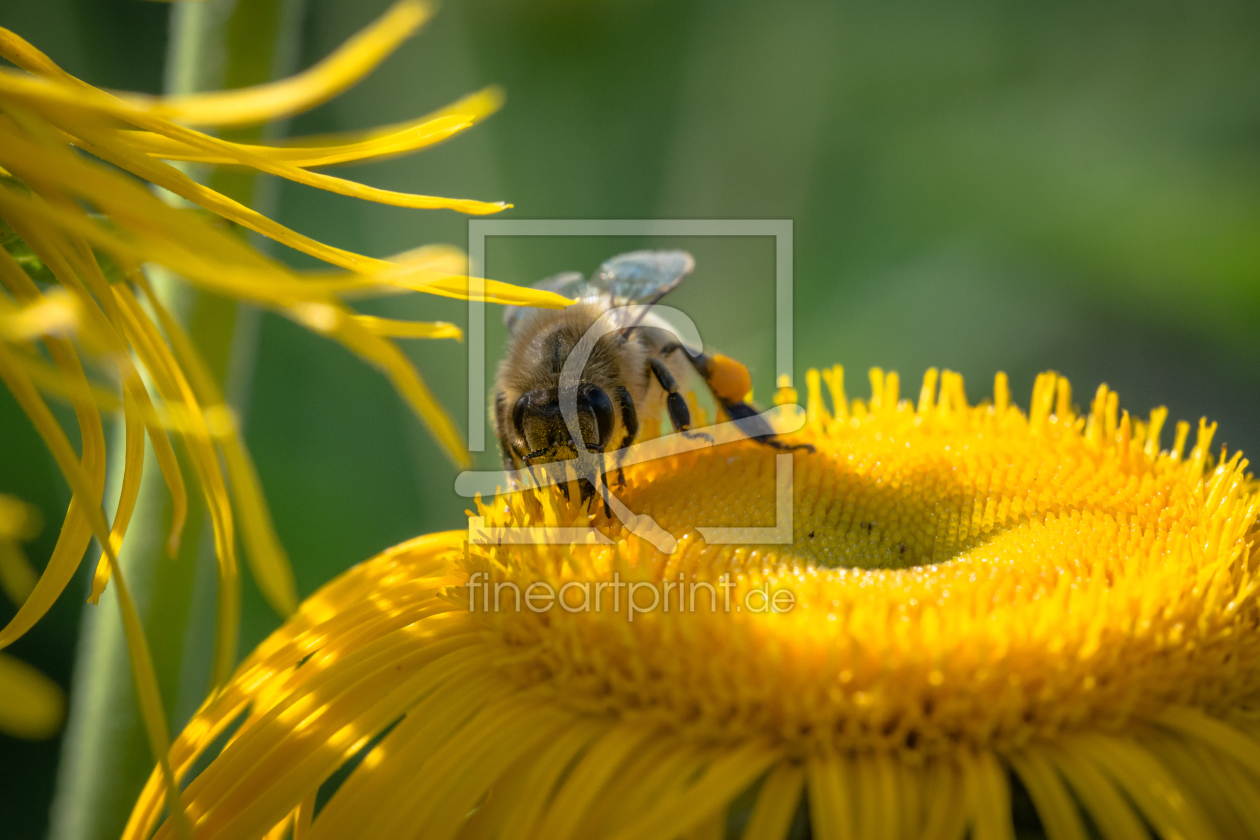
x=830 y=801
x=1146 y=782
x=385 y=356
x=266 y=556
x=678 y=810
x=1058 y=812
x=464 y=288
x=349 y=63
x=89 y=501
x=21 y=52
x=209 y=256
x=76 y=532
x=776 y=804
x=97 y=141
x=334 y=149
x=51 y=382
x=133 y=467
x=233 y=792
x=345 y=66
x=390 y=328
x=54 y=313
x=429 y=724
x=32 y=706
x=174 y=387
x=177 y=182
x=145 y=228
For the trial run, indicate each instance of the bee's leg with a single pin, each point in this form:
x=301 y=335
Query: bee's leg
x=604 y=491
x=751 y=423
x=679 y=414
x=588 y=481
x=597 y=484
x=728 y=382
x=629 y=419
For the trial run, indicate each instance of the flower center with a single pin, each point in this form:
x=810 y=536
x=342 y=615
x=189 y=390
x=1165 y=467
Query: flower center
x=885 y=500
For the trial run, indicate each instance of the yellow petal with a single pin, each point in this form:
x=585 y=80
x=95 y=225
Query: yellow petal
x=349 y=63
x=234 y=792
x=22 y=53
x=1148 y=785
x=172 y=179
x=54 y=313
x=464 y=288
x=453 y=778
x=1054 y=804
x=1108 y=807
x=172 y=244
x=174 y=387
x=71 y=380
x=332 y=149
x=208 y=256
x=104 y=143
x=388 y=327
x=386 y=356
x=267 y=558
x=520 y=795
x=31 y=705
x=51 y=382
x=133 y=466
x=76 y=532
x=429 y=724
x=353 y=60
x=776 y=803
x=89 y=501
x=721 y=782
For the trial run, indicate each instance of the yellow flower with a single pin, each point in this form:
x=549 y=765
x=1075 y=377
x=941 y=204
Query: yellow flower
x=969 y=595
x=75 y=235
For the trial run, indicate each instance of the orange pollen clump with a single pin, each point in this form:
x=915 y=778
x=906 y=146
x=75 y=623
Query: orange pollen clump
x=728 y=378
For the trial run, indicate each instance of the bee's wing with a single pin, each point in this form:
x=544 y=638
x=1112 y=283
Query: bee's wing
x=570 y=284
x=643 y=276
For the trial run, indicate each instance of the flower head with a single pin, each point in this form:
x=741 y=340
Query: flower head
x=974 y=594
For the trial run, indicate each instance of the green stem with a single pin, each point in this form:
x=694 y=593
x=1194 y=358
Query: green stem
x=105 y=756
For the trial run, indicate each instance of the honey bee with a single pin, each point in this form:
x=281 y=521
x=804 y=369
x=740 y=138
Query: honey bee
x=632 y=368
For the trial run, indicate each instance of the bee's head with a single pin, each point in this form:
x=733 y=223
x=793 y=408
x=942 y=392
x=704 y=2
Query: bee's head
x=539 y=423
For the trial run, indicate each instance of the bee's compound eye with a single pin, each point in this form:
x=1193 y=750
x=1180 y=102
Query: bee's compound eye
x=518 y=415
x=602 y=408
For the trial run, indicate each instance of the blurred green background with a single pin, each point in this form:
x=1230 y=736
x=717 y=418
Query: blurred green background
x=982 y=186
